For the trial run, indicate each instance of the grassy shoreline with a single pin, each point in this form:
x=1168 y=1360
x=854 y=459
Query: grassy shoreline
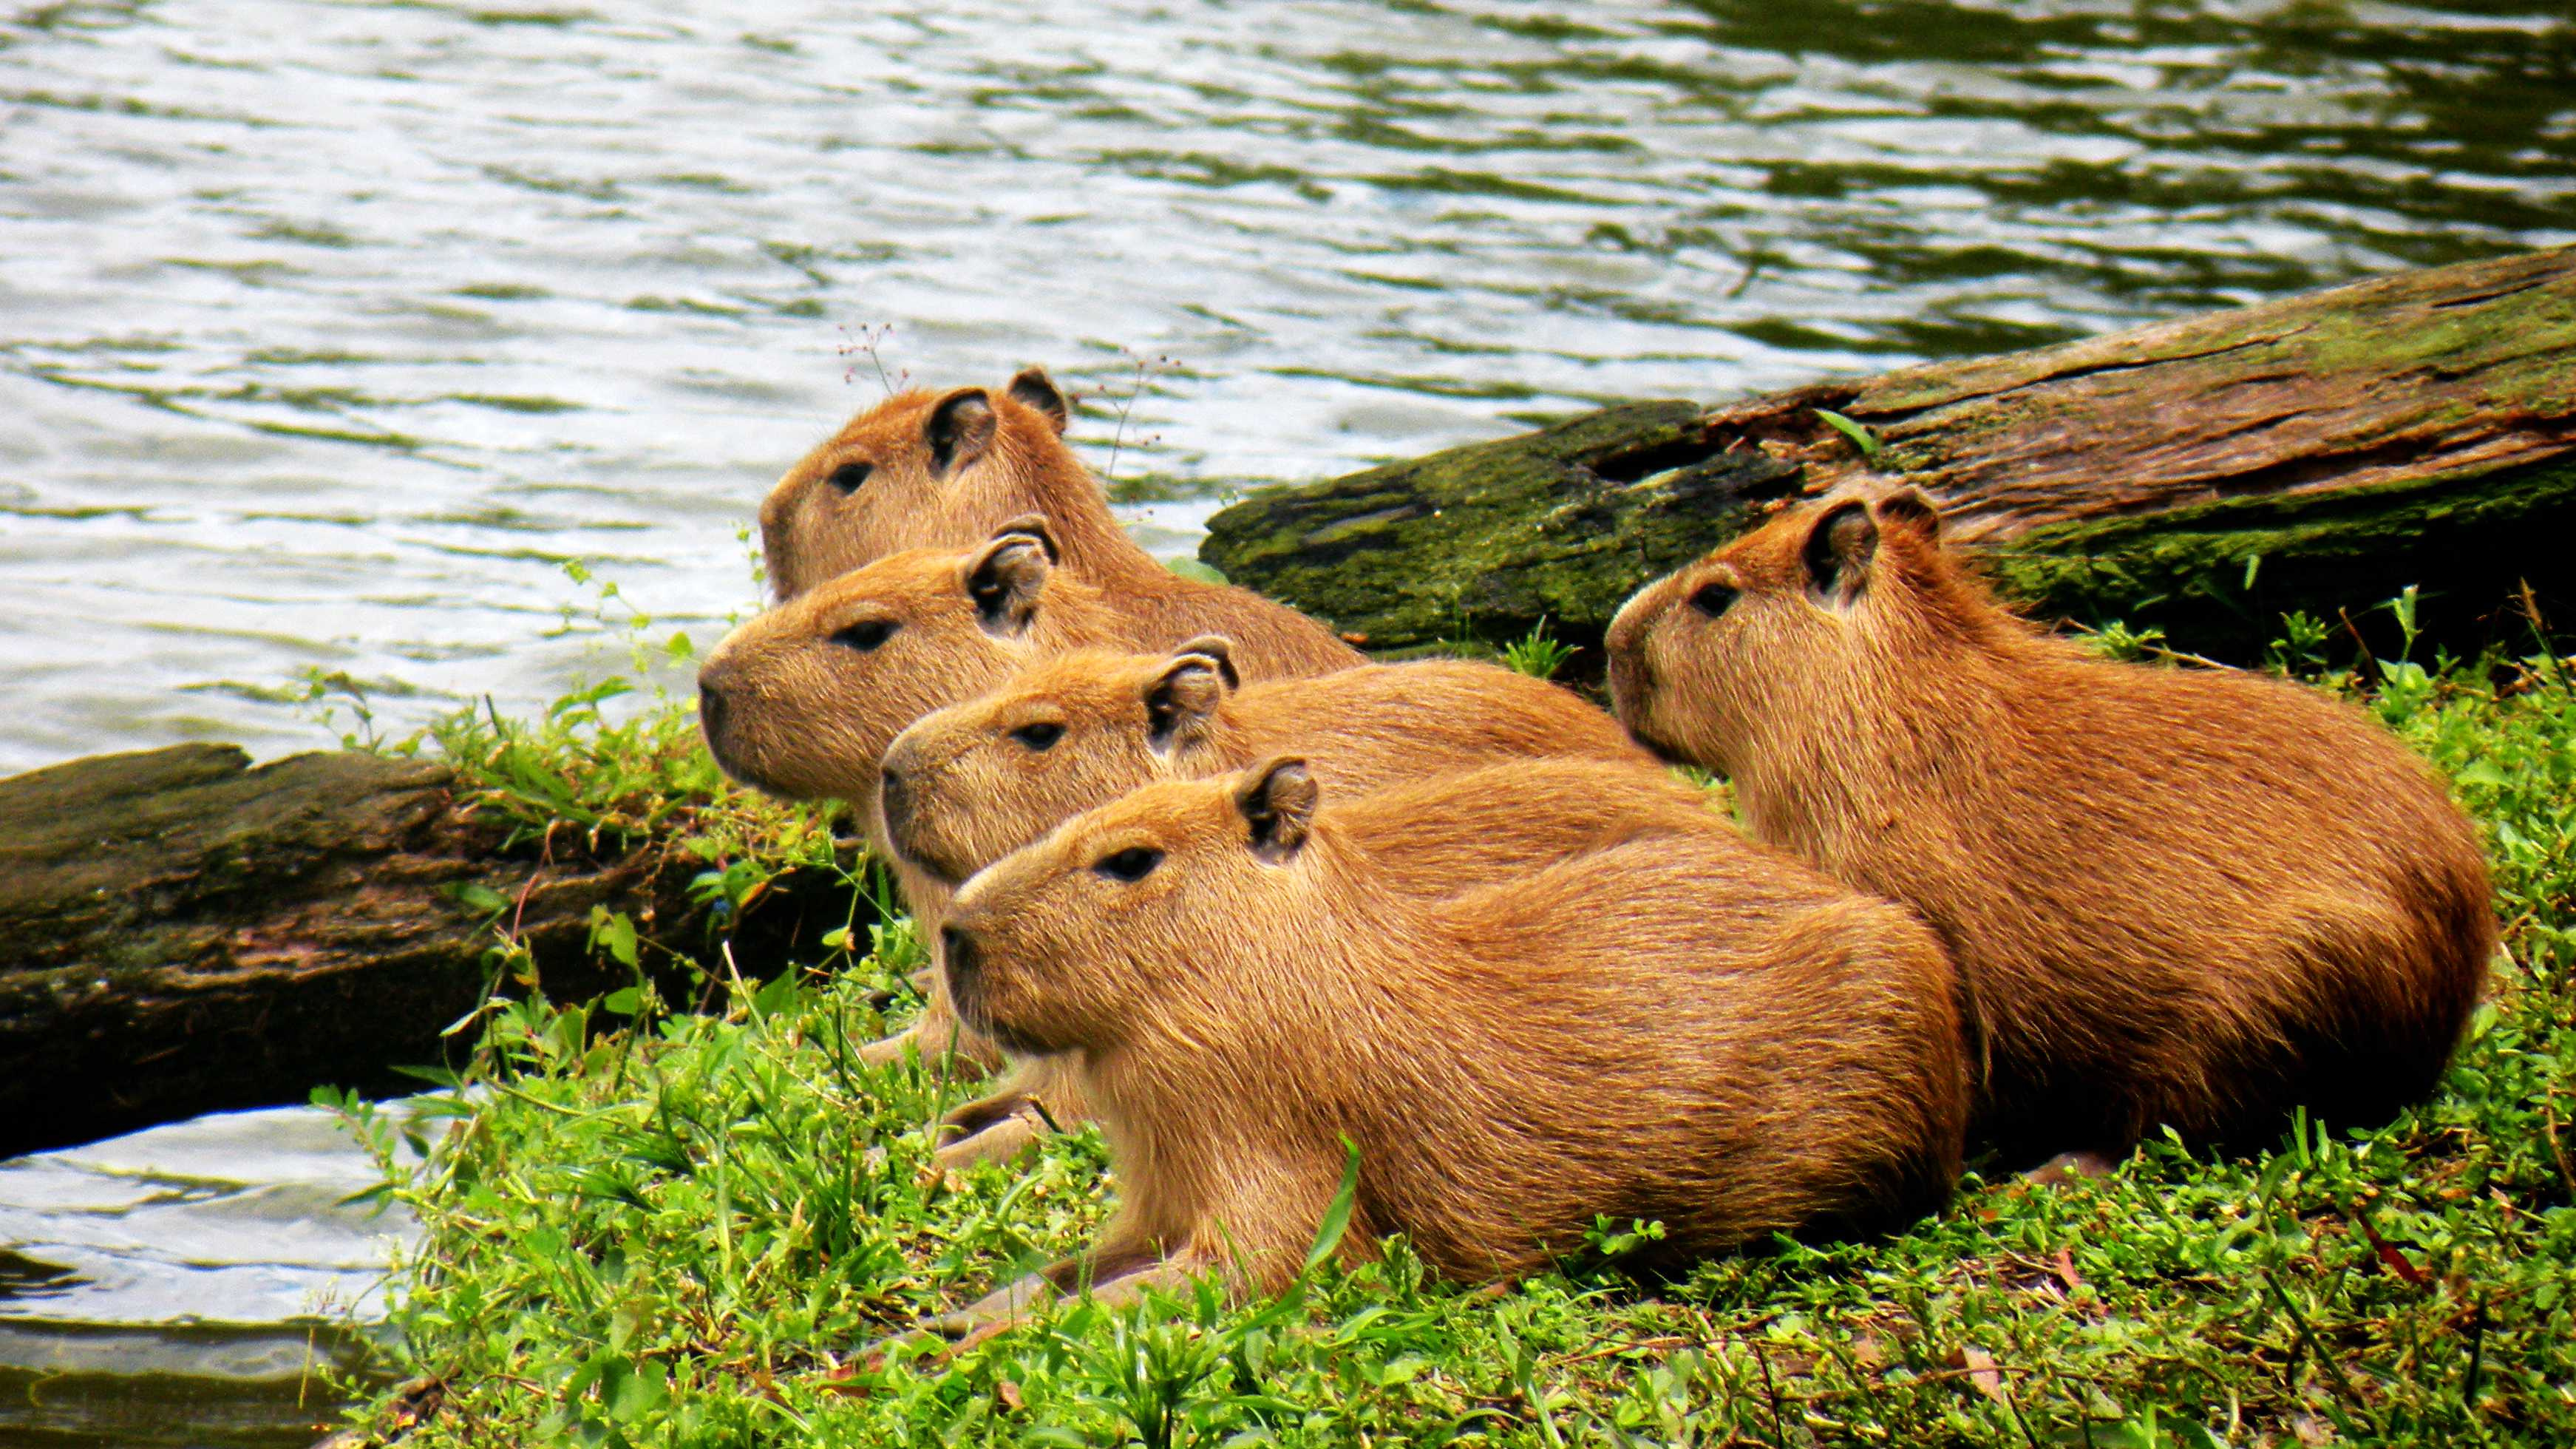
x=649 y=1228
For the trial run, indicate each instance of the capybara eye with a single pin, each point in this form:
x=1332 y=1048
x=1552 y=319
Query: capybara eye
x=1712 y=599
x=849 y=476
x=1130 y=865
x=866 y=636
x=1041 y=736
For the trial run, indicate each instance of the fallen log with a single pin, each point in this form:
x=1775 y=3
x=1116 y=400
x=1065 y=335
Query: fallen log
x=182 y=932
x=2203 y=476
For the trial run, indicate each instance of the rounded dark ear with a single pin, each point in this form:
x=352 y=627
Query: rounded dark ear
x=960 y=429
x=1006 y=580
x=1838 y=551
x=1278 y=802
x=1908 y=509
x=1181 y=700
x=1032 y=525
x=1033 y=388
x=1216 y=647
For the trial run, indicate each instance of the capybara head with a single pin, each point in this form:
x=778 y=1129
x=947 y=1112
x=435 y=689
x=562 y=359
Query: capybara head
x=1120 y=913
x=919 y=470
x=802 y=700
x=1785 y=618
x=975 y=781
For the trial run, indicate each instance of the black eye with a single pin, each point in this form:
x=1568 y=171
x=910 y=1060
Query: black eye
x=1040 y=736
x=849 y=476
x=866 y=636
x=1712 y=599
x=1130 y=865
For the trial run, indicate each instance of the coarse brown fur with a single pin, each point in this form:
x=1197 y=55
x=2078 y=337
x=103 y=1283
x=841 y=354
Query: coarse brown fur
x=2181 y=897
x=1669 y=1022
x=944 y=471
x=968 y=784
x=802 y=700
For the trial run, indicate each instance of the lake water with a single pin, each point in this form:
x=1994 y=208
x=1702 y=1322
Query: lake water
x=329 y=332
x=184 y=1285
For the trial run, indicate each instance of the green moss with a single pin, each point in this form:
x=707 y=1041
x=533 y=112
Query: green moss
x=2464 y=536
x=1485 y=541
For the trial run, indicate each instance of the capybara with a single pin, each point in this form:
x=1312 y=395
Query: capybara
x=1676 y=1025
x=945 y=471
x=2185 y=898
x=968 y=784
x=802 y=699
x=965 y=785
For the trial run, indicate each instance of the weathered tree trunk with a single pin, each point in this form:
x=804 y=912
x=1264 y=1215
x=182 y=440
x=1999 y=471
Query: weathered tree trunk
x=181 y=932
x=2318 y=453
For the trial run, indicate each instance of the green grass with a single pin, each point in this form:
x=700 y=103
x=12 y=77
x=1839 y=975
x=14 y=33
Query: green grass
x=678 y=1230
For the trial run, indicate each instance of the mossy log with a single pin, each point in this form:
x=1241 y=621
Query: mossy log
x=182 y=932
x=2204 y=476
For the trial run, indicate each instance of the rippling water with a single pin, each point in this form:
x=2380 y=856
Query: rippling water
x=185 y=1285
x=328 y=330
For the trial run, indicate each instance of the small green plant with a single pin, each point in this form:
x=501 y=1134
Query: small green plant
x=1538 y=653
x=1861 y=436
x=2116 y=640
x=2300 y=648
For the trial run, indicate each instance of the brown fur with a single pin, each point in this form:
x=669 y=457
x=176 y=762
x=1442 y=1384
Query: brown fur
x=963 y=787
x=1622 y=1013
x=791 y=705
x=945 y=471
x=2188 y=898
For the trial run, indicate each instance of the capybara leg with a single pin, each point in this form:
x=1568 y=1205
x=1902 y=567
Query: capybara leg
x=984 y=1112
x=940 y=1042
x=1108 y=1275
x=997 y=1138
x=888 y=1051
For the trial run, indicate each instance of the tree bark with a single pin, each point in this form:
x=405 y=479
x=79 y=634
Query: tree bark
x=181 y=932
x=2317 y=453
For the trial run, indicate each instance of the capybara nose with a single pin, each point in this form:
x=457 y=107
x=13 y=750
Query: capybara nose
x=958 y=952
x=894 y=801
x=711 y=710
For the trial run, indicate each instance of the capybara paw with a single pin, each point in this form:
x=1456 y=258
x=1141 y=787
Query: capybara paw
x=887 y=1052
x=2067 y=1166
x=999 y=1141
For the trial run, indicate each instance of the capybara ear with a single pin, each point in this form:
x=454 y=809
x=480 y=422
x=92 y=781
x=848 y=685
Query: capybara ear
x=1033 y=388
x=1006 y=580
x=1837 y=553
x=960 y=429
x=1181 y=698
x=1032 y=525
x=1909 y=510
x=1216 y=647
x=1279 y=805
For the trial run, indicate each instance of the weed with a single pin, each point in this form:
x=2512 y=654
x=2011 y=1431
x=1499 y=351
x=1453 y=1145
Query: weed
x=1860 y=434
x=1538 y=653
